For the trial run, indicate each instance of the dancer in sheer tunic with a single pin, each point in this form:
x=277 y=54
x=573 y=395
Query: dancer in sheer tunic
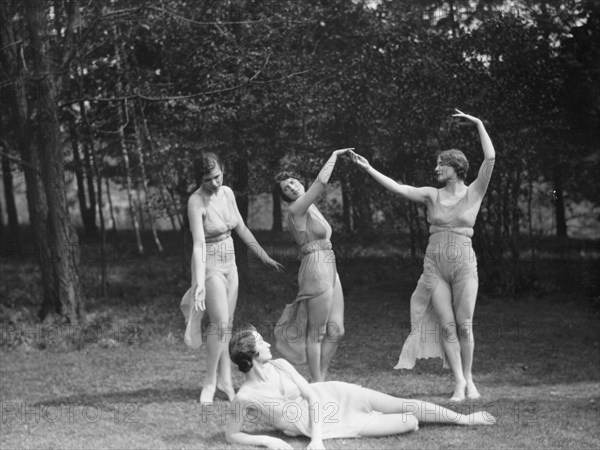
x=442 y=305
x=213 y=215
x=311 y=327
x=275 y=393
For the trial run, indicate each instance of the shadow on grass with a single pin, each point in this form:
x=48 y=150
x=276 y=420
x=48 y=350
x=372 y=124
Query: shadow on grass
x=141 y=396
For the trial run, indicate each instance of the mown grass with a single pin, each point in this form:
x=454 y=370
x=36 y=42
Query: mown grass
x=126 y=380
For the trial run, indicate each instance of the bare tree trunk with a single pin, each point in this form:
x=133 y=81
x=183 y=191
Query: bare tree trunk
x=515 y=230
x=561 y=223
x=2 y=232
x=9 y=196
x=63 y=239
x=128 y=180
x=98 y=174
x=111 y=209
x=87 y=215
x=163 y=199
x=36 y=198
x=123 y=115
x=88 y=164
x=276 y=209
x=140 y=154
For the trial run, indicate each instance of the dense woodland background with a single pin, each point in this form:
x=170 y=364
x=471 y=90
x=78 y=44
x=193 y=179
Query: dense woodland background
x=122 y=95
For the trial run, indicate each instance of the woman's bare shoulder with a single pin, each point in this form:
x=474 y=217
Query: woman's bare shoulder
x=195 y=201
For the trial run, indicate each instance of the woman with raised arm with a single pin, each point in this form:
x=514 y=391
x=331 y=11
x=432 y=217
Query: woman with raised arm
x=275 y=393
x=213 y=214
x=442 y=306
x=311 y=327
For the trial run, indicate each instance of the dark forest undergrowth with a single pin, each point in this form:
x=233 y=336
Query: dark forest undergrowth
x=126 y=380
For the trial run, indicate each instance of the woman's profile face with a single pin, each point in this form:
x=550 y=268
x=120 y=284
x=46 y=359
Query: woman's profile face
x=212 y=181
x=263 y=349
x=444 y=172
x=292 y=188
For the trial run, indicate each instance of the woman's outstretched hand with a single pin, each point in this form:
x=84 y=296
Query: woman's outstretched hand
x=276 y=443
x=199 y=298
x=473 y=119
x=341 y=151
x=360 y=161
x=275 y=265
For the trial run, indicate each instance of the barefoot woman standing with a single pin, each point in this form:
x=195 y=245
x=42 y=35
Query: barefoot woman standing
x=213 y=214
x=442 y=305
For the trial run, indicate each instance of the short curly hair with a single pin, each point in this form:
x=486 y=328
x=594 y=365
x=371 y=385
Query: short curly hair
x=282 y=176
x=205 y=164
x=242 y=348
x=457 y=160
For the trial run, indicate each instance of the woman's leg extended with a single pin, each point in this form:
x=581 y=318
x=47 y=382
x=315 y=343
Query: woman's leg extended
x=217 y=309
x=334 y=329
x=389 y=424
x=224 y=382
x=318 y=313
x=424 y=411
x=464 y=319
x=442 y=306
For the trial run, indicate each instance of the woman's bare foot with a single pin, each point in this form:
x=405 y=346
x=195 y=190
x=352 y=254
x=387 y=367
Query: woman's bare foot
x=472 y=392
x=480 y=418
x=227 y=389
x=459 y=391
x=207 y=395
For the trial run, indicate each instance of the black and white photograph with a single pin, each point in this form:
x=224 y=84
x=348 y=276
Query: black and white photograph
x=319 y=224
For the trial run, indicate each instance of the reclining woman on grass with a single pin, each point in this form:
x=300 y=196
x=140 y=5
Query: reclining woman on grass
x=275 y=393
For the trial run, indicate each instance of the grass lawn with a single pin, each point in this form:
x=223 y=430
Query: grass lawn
x=128 y=381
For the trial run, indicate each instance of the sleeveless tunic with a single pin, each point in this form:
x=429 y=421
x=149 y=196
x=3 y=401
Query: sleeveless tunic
x=342 y=408
x=449 y=258
x=220 y=263
x=316 y=277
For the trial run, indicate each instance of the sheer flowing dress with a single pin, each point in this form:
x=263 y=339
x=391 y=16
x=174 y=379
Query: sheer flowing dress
x=449 y=258
x=220 y=262
x=342 y=408
x=317 y=277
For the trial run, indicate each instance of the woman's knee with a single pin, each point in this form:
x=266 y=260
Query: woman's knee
x=450 y=332
x=465 y=330
x=335 y=331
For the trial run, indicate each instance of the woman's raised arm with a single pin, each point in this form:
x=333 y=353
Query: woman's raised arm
x=300 y=206
x=489 y=154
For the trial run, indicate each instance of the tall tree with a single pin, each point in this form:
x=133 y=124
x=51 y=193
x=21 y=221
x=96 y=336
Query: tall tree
x=63 y=240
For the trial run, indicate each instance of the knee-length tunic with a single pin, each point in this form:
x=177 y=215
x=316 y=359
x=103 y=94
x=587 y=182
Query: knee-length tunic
x=449 y=258
x=220 y=263
x=317 y=276
x=342 y=408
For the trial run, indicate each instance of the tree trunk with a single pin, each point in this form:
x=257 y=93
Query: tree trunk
x=123 y=115
x=88 y=164
x=9 y=196
x=559 y=208
x=166 y=205
x=63 y=239
x=140 y=154
x=36 y=198
x=111 y=209
x=96 y=170
x=128 y=180
x=276 y=209
x=87 y=219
